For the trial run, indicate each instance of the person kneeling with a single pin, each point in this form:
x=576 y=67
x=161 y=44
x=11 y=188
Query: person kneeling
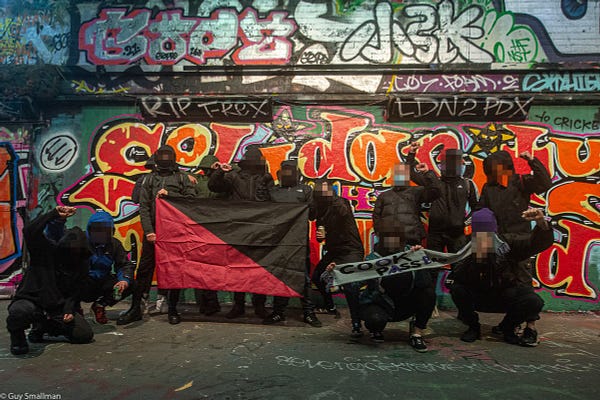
x=495 y=279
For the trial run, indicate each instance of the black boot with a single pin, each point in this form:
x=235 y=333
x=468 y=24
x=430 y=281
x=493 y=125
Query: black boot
x=173 y=298
x=18 y=343
x=134 y=313
x=472 y=334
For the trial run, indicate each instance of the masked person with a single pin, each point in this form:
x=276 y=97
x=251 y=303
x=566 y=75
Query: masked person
x=493 y=278
x=342 y=241
x=47 y=297
x=508 y=194
x=110 y=270
x=251 y=182
x=166 y=180
x=397 y=224
x=290 y=190
x=450 y=212
x=207 y=300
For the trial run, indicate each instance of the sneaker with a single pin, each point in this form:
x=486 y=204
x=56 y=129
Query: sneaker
x=99 y=313
x=529 y=338
x=471 y=334
x=18 y=343
x=417 y=343
x=174 y=318
x=312 y=320
x=132 y=315
x=356 y=331
x=35 y=336
x=377 y=337
x=333 y=311
x=273 y=319
x=511 y=337
x=235 y=312
x=162 y=305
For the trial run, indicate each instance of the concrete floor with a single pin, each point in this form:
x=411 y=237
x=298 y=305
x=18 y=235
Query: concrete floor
x=215 y=358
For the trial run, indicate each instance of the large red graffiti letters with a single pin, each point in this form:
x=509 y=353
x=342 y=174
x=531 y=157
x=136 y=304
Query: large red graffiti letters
x=117 y=37
x=564 y=268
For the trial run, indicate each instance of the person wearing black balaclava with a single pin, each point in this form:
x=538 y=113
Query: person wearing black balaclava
x=338 y=229
x=47 y=297
x=165 y=180
x=449 y=213
x=397 y=215
x=290 y=190
x=251 y=182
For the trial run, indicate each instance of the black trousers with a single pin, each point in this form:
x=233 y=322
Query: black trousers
x=24 y=313
x=144 y=273
x=102 y=290
x=520 y=304
x=204 y=298
x=419 y=302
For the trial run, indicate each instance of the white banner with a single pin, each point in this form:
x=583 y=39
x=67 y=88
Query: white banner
x=397 y=263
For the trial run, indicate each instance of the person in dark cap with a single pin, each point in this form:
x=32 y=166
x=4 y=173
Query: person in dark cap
x=251 y=182
x=290 y=190
x=165 y=180
x=492 y=278
x=507 y=193
x=110 y=271
x=450 y=212
x=47 y=297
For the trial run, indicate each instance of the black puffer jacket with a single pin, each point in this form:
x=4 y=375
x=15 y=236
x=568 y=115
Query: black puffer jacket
x=399 y=209
x=509 y=202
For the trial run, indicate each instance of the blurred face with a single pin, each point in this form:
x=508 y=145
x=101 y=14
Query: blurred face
x=100 y=234
x=482 y=245
x=452 y=166
x=288 y=176
x=401 y=175
x=164 y=159
x=323 y=192
x=501 y=174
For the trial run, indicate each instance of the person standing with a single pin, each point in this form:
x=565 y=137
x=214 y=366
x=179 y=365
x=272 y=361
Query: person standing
x=166 y=180
x=251 y=182
x=290 y=190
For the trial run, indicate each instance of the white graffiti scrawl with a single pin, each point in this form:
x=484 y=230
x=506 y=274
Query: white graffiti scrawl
x=426 y=33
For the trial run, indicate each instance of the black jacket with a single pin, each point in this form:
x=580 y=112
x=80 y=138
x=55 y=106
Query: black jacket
x=342 y=239
x=448 y=212
x=399 y=209
x=242 y=185
x=508 y=203
x=504 y=269
x=291 y=194
x=58 y=264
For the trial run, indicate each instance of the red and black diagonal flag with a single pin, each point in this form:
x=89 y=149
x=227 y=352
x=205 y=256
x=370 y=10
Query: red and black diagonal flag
x=240 y=246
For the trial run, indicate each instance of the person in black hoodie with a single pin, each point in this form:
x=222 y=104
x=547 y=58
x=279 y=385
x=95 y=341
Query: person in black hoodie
x=337 y=228
x=102 y=286
x=449 y=213
x=493 y=278
x=290 y=190
x=251 y=182
x=165 y=180
x=508 y=194
x=47 y=297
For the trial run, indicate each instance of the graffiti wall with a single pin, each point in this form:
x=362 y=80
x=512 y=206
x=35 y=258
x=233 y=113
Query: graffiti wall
x=355 y=150
x=448 y=55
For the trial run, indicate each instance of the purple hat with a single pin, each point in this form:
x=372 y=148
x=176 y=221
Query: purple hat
x=484 y=220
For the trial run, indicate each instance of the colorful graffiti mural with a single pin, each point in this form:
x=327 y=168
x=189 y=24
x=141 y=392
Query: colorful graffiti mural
x=356 y=153
x=300 y=33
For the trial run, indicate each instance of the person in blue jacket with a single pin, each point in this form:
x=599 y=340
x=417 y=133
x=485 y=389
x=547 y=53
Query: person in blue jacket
x=110 y=269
